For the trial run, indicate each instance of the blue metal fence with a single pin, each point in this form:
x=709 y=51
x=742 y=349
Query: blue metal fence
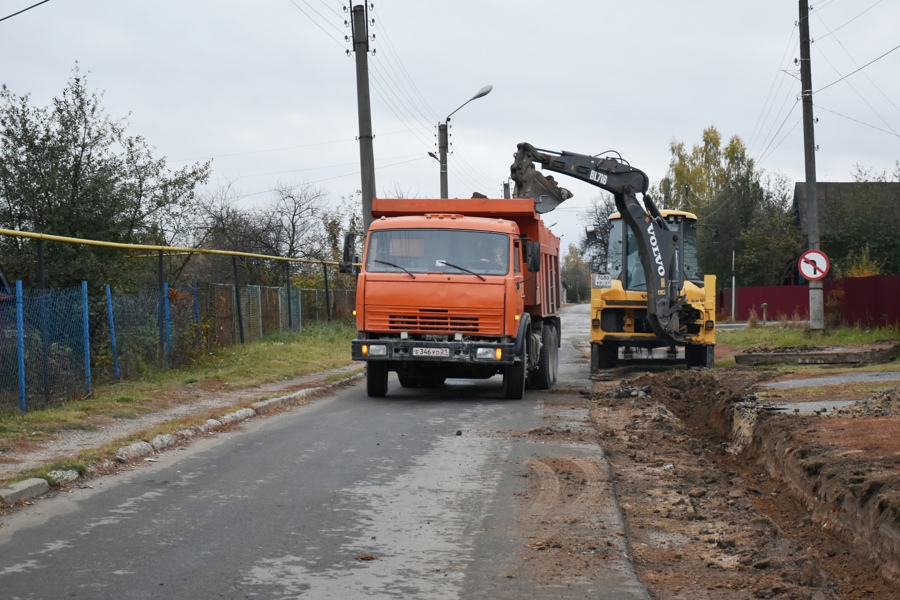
x=55 y=343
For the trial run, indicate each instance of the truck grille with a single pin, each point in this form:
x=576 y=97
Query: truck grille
x=435 y=321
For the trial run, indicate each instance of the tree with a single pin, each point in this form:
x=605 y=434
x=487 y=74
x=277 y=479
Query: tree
x=751 y=213
x=576 y=275
x=770 y=241
x=864 y=215
x=71 y=170
x=595 y=246
x=291 y=226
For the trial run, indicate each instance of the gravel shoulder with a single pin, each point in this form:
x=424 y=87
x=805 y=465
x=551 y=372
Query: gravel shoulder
x=193 y=403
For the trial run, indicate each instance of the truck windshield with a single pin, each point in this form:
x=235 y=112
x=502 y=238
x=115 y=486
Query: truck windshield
x=438 y=251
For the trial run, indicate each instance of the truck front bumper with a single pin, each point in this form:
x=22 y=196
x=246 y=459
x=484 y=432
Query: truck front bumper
x=396 y=350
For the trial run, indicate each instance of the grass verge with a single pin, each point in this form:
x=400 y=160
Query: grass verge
x=787 y=337
x=317 y=348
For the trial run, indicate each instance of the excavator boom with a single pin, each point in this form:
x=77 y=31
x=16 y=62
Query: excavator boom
x=658 y=245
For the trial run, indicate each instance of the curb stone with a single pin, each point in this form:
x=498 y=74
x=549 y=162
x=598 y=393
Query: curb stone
x=30 y=488
x=24 y=490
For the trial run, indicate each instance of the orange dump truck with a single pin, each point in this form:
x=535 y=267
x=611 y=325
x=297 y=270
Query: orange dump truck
x=465 y=288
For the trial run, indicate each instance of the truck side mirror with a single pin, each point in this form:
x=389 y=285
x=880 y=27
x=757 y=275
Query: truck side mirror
x=345 y=265
x=590 y=232
x=533 y=256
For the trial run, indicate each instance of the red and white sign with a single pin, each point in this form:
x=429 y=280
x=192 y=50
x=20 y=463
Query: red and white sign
x=813 y=265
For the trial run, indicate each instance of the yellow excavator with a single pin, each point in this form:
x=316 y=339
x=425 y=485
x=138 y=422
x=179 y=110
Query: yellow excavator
x=651 y=294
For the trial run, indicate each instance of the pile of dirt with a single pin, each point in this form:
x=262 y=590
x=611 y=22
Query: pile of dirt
x=783 y=349
x=721 y=493
x=882 y=404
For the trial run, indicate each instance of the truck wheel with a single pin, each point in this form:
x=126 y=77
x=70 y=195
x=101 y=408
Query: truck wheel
x=431 y=381
x=604 y=355
x=407 y=379
x=514 y=378
x=700 y=356
x=549 y=359
x=376 y=379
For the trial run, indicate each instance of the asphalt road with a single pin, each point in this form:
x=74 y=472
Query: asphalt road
x=428 y=484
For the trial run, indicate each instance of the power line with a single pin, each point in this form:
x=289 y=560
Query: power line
x=760 y=120
x=770 y=136
x=337 y=41
x=857 y=70
x=248 y=152
x=394 y=54
x=832 y=32
x=376 y=85
x=863 y=98
x=763 y=155
x=847 y=52
x=24 y=10
x=331 y=8
x=320 y=168
x=858 y=121
x=355 y=173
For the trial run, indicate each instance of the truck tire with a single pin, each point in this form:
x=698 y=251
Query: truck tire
x=431 y=381
x=514 y=378
x=604 y=355
x=548 y=362
x=407 y=379
x=376 y=379
x=700 y=356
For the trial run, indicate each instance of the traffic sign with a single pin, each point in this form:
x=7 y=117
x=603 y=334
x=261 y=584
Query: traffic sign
x=813 y=265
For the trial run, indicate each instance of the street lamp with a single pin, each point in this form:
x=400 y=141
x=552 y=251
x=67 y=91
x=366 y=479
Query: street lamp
x=442 y=138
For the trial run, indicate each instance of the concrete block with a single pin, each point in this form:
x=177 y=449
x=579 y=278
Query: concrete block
x=24 y=490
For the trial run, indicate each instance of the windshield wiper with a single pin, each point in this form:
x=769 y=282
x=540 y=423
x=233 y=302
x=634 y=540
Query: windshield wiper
x=464 y=269
x=390 y=264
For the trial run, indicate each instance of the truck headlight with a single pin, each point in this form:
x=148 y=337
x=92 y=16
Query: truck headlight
x=488 y=353
x=374 y=350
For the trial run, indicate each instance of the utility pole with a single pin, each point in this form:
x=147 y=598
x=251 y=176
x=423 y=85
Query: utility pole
x=360 y=30
x=443 y=145
x=816 y=292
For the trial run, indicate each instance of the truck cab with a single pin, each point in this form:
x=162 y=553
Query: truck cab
x=464 y=288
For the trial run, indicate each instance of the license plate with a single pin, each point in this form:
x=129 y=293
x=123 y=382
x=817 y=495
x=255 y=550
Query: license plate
x=431 y=351
x=602 y=280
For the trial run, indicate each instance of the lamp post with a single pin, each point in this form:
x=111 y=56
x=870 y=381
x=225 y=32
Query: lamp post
x=442 y=138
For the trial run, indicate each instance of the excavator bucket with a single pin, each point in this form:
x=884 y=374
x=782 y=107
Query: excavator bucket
x=531 y=183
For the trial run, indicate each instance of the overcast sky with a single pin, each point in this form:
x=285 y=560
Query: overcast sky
x=267 y=91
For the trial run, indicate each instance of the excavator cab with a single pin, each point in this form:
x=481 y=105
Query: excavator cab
x=624 y=258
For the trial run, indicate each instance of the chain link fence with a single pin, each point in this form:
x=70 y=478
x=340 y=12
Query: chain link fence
x=55 y=343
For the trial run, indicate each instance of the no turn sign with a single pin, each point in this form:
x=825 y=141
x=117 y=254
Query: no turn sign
x=813 y=265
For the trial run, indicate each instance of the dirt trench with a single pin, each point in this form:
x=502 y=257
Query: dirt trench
x=725 y=498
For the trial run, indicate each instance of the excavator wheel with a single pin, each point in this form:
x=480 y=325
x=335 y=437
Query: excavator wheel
x=700 y=356
x=604 y=355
